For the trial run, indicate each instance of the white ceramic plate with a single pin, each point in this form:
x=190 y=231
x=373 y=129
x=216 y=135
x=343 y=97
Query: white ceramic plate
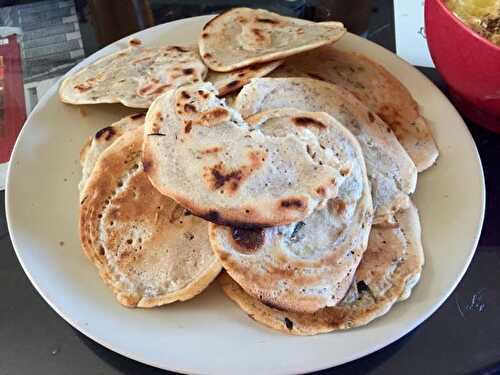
x=210 y=334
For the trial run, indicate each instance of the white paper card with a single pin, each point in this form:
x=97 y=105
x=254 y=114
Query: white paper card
x=411 y=44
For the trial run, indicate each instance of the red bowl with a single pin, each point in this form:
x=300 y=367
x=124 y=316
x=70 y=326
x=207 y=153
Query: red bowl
x=469 y=63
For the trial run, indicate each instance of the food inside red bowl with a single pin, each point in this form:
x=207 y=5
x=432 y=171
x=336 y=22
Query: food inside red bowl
x=482 y=16
x=468 y=62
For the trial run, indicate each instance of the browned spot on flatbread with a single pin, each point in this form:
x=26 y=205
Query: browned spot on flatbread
x=267 y=20
x=345 y=171
x=204 y=35
x=179 y=49
x=211 y=150
x=247 y=241
x=145 y=89
x=185 y=94
x=215 y=116
x=258 y=34
x=207 y=55
x=217 y=176
x=371 y=117
x=82 y=87
x=188 y=127
x=188 y=71
x=293 y=203
x=390 y=115
x=233 y=83
x=135 y=42
x=338 y=205
x=306 y=122
x=108 y=132
x=159 y=116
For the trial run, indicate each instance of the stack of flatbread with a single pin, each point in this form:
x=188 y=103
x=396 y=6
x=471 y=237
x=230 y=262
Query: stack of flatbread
x=298 y=185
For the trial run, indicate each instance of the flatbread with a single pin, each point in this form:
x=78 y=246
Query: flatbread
x=390 y=268
x=102 y=139
x=375 y=87
x=202 y=154
x=392 y=173
x=134 y=76
x=303 y=266
x=241 y=37
x=227 y=82
x=148 y=249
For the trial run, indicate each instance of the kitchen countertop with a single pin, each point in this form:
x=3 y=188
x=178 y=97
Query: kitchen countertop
x=461 y=337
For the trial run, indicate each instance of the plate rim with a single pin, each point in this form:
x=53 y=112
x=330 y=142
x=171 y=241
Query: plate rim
x=9 y=194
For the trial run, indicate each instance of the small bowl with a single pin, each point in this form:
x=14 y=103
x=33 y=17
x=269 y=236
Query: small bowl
x=469 y=63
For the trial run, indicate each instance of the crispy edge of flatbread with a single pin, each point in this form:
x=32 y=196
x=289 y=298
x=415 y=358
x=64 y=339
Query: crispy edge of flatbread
x=338 y=318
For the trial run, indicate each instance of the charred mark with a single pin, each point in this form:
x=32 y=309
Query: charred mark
x=289 y=324
x=213 y=216
x=220 y=179
x=233 y=83
x=248 y=240
x=188 y=71
x=371 y=117
x=362 y=287
x=179 y=49
x=291 y=203
x=108 y=133
x=338 y=205
x=307 y=122
x=267 y=20
x=157 y=134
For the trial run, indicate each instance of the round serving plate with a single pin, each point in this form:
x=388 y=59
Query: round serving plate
x=210 y=334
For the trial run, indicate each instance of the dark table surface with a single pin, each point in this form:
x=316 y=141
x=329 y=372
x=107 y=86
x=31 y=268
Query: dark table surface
x=462 y=337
